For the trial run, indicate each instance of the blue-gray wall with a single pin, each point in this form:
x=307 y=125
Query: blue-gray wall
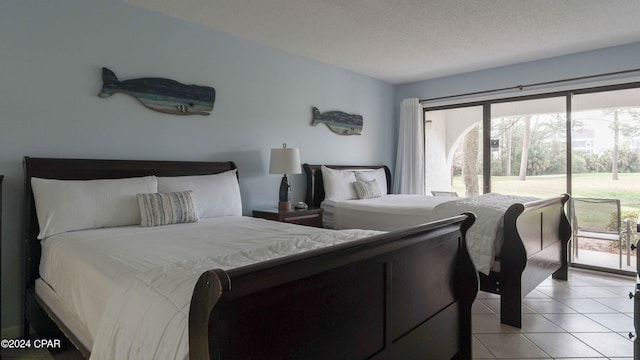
x=51 y=53
x=613 y=59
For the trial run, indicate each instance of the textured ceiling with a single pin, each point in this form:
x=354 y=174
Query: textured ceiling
x=402 y=41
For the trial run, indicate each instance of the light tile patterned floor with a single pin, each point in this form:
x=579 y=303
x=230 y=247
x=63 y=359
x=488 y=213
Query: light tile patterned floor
x=588 y=317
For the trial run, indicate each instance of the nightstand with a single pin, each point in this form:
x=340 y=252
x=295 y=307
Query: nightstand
x=309 y=217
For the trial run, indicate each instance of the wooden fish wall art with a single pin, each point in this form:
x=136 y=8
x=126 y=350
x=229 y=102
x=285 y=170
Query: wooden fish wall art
x=339 y=122
x=163 y=95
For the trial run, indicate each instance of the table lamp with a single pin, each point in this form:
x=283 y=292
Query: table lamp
x=284 y=161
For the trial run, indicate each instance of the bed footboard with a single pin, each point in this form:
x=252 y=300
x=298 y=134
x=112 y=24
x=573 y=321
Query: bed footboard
x=536 y=240
x=385 y=297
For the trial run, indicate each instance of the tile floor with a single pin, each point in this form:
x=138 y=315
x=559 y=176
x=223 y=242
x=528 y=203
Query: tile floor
x=588 y=317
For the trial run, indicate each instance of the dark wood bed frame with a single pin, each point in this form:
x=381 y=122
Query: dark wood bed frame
x=405 y=294
x=536 y=240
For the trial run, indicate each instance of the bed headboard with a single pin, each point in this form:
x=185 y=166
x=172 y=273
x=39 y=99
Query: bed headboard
x=87 y=169
x=315 y=184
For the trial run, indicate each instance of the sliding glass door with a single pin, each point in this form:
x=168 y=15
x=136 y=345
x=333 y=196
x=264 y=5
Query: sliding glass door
x=584 y=142
x=606 y=177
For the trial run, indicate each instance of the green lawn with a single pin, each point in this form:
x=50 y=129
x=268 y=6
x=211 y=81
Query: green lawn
x=592 y=185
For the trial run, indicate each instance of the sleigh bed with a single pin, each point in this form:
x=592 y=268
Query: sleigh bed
x=372 y=296
x=534 y=239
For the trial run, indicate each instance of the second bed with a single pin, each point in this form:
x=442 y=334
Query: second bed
x=516 y=242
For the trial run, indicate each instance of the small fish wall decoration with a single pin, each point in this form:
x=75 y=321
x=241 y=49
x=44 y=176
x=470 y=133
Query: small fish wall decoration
x=339 y=122
x=163 y=95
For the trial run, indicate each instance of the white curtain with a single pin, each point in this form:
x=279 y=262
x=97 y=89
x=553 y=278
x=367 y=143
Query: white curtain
x=409 y=174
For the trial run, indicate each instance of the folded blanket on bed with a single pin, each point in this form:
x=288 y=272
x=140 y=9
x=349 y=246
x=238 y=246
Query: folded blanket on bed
x=485 y=237
x=147 y=317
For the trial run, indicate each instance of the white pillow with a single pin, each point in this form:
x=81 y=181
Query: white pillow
x=367 y=189
x=68 y=205
x=157 y=209
x=338 y=184
x=378 y=175
x=215 y=195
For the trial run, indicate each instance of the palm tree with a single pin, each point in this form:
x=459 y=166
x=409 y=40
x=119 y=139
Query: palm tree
x=526 y=142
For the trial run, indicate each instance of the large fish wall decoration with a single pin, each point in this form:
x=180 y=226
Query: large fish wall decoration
x=339 y=122
x=163 y=95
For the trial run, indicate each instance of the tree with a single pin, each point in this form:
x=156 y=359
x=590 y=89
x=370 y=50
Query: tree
x=620 y=127
x=507 y=170
x=526 y=142
x=505 y=130
x=547 y=153
x=470 y=171
x=615 y=126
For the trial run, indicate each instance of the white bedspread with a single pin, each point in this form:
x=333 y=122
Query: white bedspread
x=165 y=314
x=485 y=237
x=392 y=212
x=106 y=276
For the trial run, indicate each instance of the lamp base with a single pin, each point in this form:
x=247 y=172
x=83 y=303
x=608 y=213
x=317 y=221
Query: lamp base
x=284 y=205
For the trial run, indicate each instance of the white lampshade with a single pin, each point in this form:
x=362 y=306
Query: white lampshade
x=285 y=161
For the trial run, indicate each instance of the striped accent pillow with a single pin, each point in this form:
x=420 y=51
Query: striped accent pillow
x=167 y=208
x=367 y=189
